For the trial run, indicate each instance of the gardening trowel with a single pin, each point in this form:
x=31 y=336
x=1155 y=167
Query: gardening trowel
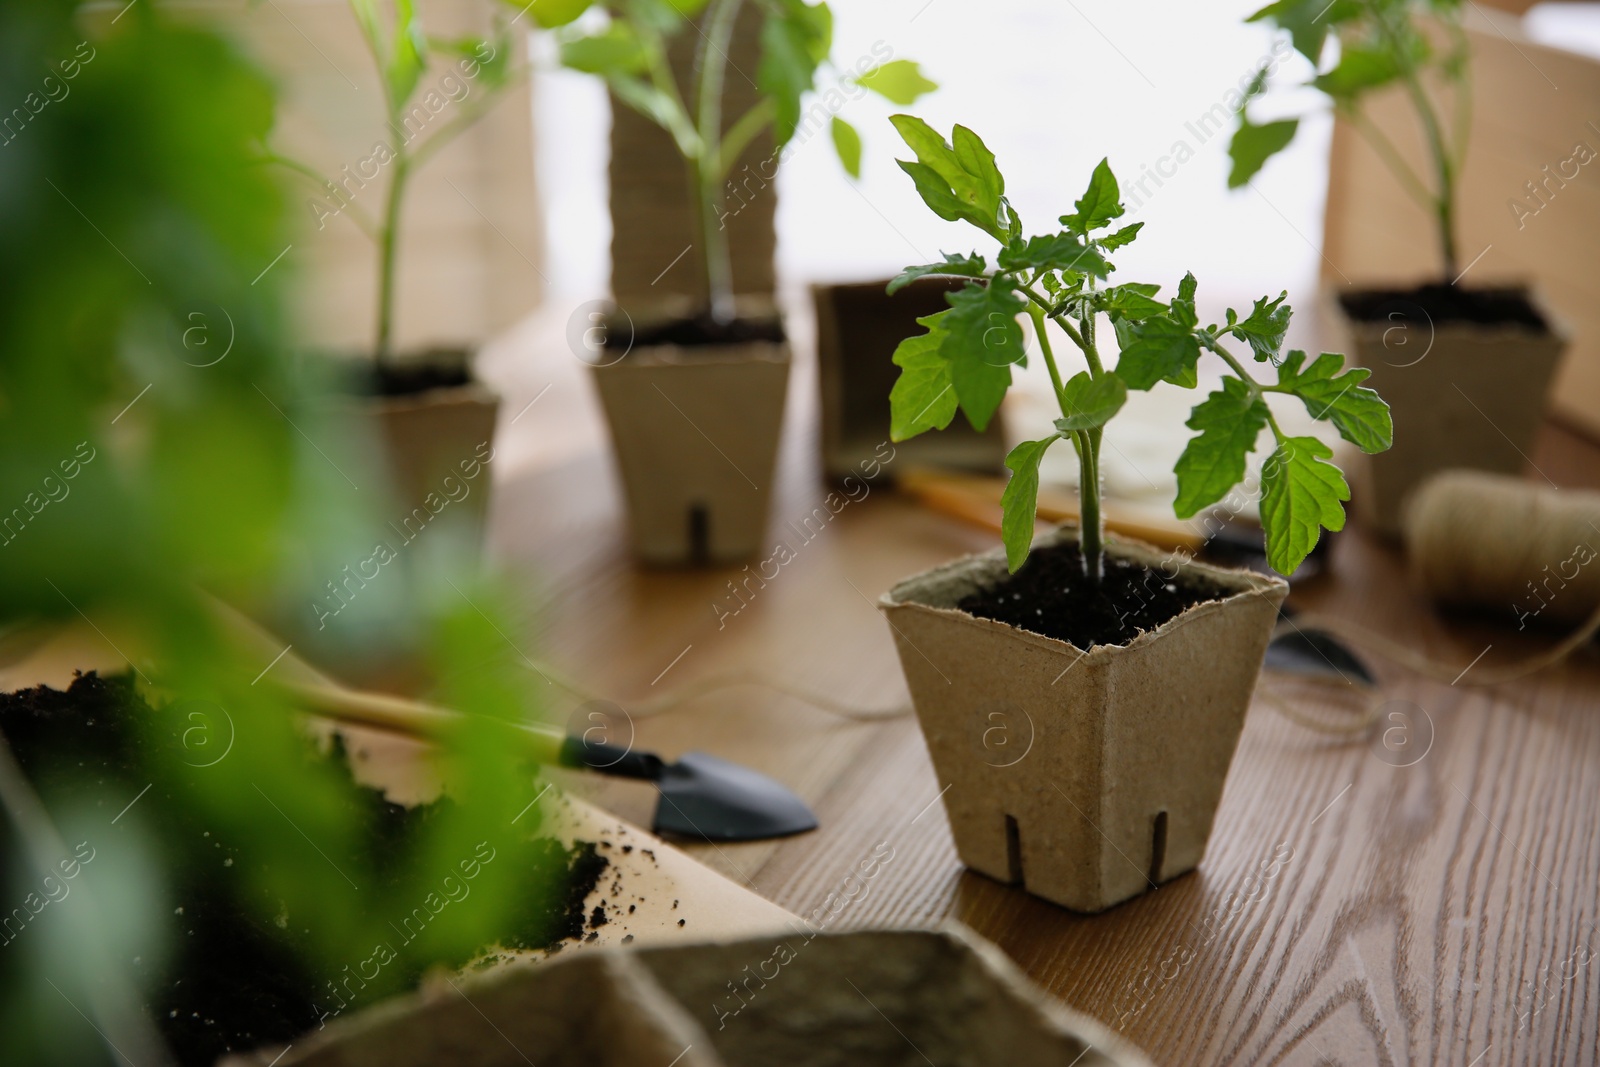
x=1316 y=654
x=701 y=796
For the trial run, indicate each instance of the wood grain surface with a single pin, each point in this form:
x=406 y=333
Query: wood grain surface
x=1424 y=895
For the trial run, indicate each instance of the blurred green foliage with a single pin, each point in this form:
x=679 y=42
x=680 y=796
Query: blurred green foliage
x=151 y=429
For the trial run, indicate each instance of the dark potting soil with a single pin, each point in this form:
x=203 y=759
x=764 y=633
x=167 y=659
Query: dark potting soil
x=236 y=976
x=699 y=332
x=1444 y=304
x=1051 y=596
x=443 y=368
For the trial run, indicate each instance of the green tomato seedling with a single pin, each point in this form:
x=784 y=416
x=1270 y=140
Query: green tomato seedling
x=964 y=360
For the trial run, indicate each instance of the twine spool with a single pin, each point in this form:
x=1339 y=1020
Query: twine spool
x=1492 y=541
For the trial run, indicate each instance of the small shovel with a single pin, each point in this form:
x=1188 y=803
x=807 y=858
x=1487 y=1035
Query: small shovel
x=1315 y=654
x=701 y=796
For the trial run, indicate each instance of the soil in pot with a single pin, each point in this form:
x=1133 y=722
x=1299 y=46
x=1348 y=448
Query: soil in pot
x=702 y=331
x=1446 y=304
x=231 y=981
x=440 y=368
x=1050 y=595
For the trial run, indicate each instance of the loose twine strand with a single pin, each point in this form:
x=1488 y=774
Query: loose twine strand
x=672 y=699
x=1471 y=539
x=1480 y=540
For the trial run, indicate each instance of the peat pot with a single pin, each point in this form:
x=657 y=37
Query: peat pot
x=1113 y=758
x=794 y=998
x=435 y=421
x=695 y=428
x=859 y=326
x=1465 y=392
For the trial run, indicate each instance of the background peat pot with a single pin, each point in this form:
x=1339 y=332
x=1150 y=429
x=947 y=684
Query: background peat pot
x=1467 y=395
x=695 y=431
x=859 y=326
x=823 y=1000
x=436 y=420
x=1130 y=744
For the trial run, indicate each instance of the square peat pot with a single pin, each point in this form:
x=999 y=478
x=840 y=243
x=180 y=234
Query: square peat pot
x=435 y=421
x=695 y=430
x=859 y=326
x=1465 y=395
x=794 y=998
x=438 y=435
x=1085 y=776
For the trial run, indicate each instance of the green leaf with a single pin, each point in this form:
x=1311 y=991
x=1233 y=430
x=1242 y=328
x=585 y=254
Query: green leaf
x=410 y=53
x=1162 y=351
x=496 y=72
x=552 y=13
x=1359 y=414
x=975 y=159
x=847 y=142
x=1100 y=203
x=1359 y=69
x=1019 y=504
x=655 y=105
x=1090 y=402
x=1301 y=494
x=613 y=52
x=663 y=18
x=1011 y=222
x=935 y=192
x=1307 y=21
x=1253 y=145
x=899 y=81
x=1229 y=422
x=1131 y=301
x=959 y=183
x=923 y=397
x=1061 y=251
x=1263 y=330
x=1114 y=241
x=982 y=341
x=971 y=266
x=794 y=40
x=1183 y=312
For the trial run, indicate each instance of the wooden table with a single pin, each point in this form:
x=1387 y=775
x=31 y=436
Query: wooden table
x=1438 y=912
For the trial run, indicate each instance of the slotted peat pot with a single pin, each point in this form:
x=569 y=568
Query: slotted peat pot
x=1085 y=776
x=1465 y=372
x=695 y=428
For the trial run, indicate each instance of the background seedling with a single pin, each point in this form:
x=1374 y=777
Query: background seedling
x=1380 y=44
x=630 y=52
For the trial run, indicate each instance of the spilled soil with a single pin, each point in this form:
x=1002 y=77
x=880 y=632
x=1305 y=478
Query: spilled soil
x=238 y=972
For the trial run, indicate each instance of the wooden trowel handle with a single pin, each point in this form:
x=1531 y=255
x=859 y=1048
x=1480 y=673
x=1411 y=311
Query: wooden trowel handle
x=321 y=695
x=414 y=718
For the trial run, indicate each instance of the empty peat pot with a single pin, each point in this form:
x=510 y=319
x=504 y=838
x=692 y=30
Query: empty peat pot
x=1465 y=373
x=1086 y=776
x=695 y=430
x=794 y=999
x=859 y=327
